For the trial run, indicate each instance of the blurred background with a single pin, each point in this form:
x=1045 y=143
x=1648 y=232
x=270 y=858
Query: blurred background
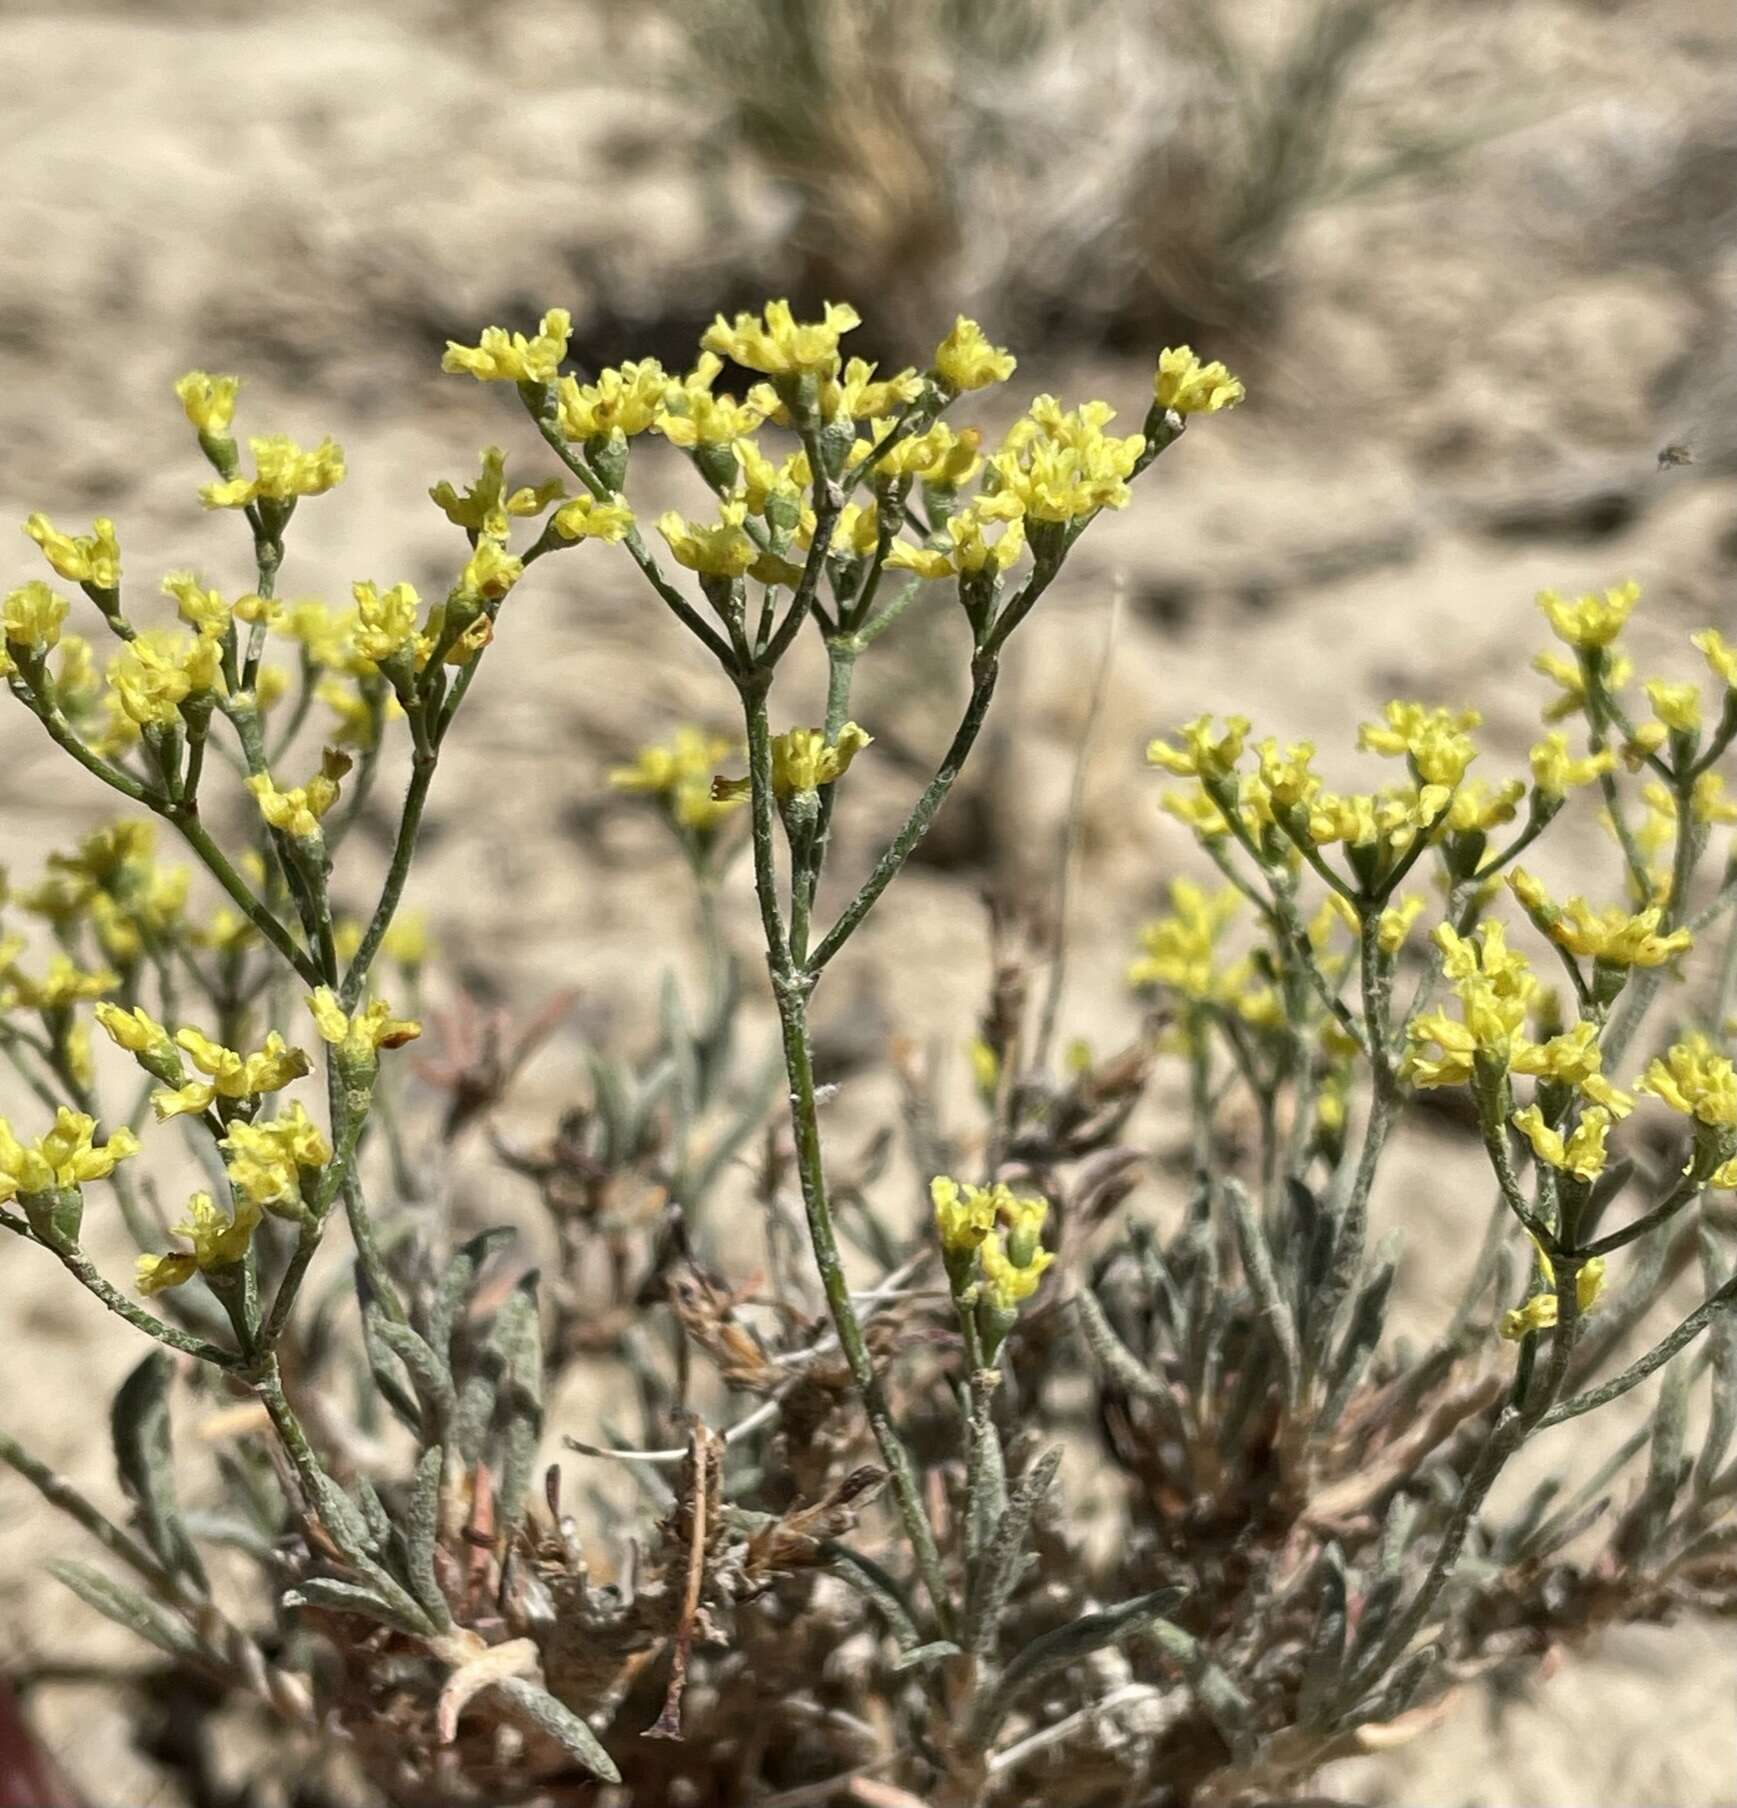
x=1475 y=262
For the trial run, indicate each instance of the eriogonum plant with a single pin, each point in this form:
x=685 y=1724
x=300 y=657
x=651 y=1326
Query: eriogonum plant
x=1304 y=1562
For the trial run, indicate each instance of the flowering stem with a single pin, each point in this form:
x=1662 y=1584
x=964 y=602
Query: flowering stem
x=1684 y=1193
x=791 y=985
x=922 y=816
x=397 y=873
x=83 y=1270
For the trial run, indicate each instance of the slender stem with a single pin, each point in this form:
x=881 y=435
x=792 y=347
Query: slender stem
x=83 y=1270
x=1683 y=1194
x=398 y=873
x=918 y=823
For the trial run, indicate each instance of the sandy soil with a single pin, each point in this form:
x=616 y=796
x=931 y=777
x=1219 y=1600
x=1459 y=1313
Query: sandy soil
x=1461 y=402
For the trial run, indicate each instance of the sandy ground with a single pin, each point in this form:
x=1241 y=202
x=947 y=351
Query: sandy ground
x=1461 y=403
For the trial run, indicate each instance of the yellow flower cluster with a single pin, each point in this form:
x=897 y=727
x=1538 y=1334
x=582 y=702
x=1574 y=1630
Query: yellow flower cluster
x=66 y=1156
x=1495 y=985
x=209 y=402
x=229 y=1075
x=283 y=472
x=1179 y=953
x=776 y=344
x=220 y=1239
x=990 y=1245
x=270 y=1164
x=503 y=357
x=679 y=774
x=488 y=506
x=359 y=1036
x=297 y=811
x=1540 y=1312
x=1591 y=622
x=92 y=559
x=965 y=359
x=1694 y=1078
x=1186 y=385
x=1061 y=465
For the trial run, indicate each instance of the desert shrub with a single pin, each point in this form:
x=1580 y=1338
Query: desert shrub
x=881 y=1581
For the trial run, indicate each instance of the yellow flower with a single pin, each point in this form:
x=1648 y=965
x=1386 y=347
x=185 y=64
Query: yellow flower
x=1616 y=938
x=282 y=472
x=1179 y=950
x=690 y=754
x=361 y=1035
x=1539 y=1312
x=93 y=558
x=490 y=571
x=1006 y=1283
x=1678 y=706
x=229 y=1075
x=1591 y=620
x=153 y=674
x=327 y=635
x=1201 y=756
x=966 y=360
x=1583 y=1154
x=1185 y=384
x=1394 y=924
x=137 y=1031
x=1721 y=658
x=203 y=610
x=964 y=1214
x=1708 y=802
x=1434 y=740
x=626 y=400
x=1060 y=466
x=63 y=983
x=723 y=549
x=66 y=1156
x=1575 y=1059
x=502 y=357
x=692 y=416
x=1618 y=669
x=1556 y=772
x=777 y=344
x=972 y=551
x=220 y=1239
x=297 y=812
x=32 y=617
x=267 y=1160
x=385 y=620
x=1495 y=985
x=487 y=506
x=209 y=402
x=585 y=518
x=1694 y=1078
x=1477 y=808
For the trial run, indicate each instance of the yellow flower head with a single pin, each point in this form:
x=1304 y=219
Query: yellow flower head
x=1566 y=673
x=503 y=357
x=93 y=558
x=680 y=773
x=1582 y=1154
x=1591 y=620
x=1721 y=657
x=1394 y=924
x=1434 y=740
x=487 y=506
x=1678 y=706
x=220 y=1239
x=964 y=1214
x=267 y=1160
x=585 y=518
x=966 y=360
x=359 y=1036
x=209 y=402
x=66 y=1156
x=626 y=401
x=137 y=1031
x=229 y=1074
x=1556 y=772
x=1007 y=1284
x=1201 y=755
x=1183 y=383
x=777 y=344
x=31 y=616
x=201 y=609
x=723 y=549
x=297 y=811
x=1694 y=1078
x=692 y=416
x=63 y=983
x=1539 y=1312
x=154 y=674
x=1495 y=985
x=1616 y=938
x=385 y=620
x=1179 y=950
x=1061 y=465
x=283 y=471
x=490 y=572
x=1575 y=1059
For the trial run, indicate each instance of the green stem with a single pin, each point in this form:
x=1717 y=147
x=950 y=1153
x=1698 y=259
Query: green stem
x=918 y=823
x=397 y=874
